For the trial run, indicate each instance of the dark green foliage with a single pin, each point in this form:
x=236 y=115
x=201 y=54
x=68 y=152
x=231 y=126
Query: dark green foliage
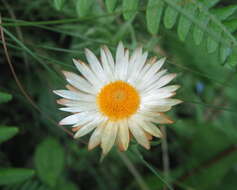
x=14 y=175
x=7 y=133
x=5 y=97
x=49 y=161
x=198 y=37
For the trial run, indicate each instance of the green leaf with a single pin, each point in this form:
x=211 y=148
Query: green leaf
x=212 y=43
x=14 y=175
x=213 y=141
x=224 y=53
x=58 y=4
x=210 y=3
x=32 y=185
x=170 y=16
x=122 y=31
x=110 y=5
x=231 y=25
x=7 y=133
x=153 y=15
x=232 y=59
x=5 y=97
x=223 y=13
x=211 y=177
x=198 y=33
x=184 y=24
x=83 y=7
x=129 y=8
x=49 y=161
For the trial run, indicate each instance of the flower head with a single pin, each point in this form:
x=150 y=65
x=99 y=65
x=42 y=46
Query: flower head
x=118 y=99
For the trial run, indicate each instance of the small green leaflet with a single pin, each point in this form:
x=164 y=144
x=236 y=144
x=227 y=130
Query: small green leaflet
x=83 y=7
x=232 y=59
x=223 y=13
x=231 y=25
x=49 y=161
x=154 y=14
x=5 y=97
x=7 y=132
x=198 y=33
x=14 y=175
x=58 y=4
x=212 y=43
x=129 y=8
x=170 y=16
x=110 y=5
x=184 y=24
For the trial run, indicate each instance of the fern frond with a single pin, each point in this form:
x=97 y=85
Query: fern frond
x=200 y=19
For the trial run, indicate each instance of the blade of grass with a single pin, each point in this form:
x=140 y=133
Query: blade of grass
x=153 y=170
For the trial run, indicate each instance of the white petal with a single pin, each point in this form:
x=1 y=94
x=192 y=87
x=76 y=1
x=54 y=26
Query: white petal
x=89 y=116
x=166 y=89
x=135 y=73
x=88 y=127
x=142 y=62
x=133 y=62
x=165 y=102
x=109 y=136
x=107 y=62
x=155 y=117
x=74 y=95
x=142 y=72
x=159 y=64
x=124 y=72
x=78 y=118
x=119 y=53
x=149 y=83
x=138 y=133
x=70 y=120
x=152 y=129
x=121 y=65
x=156 y=97
x=155 y=68
x=84 y=130
x=95 y=138
x=165 y=80
x=88 y=74
x=79 y=82
x=150 y=75
x=170 y=88
x=151 y=108
x=95 y=65
x=80 y=108
x=123 y=135
x=77 y=103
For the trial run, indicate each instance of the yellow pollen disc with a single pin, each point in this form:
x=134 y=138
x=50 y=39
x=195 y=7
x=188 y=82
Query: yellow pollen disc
x=118 y=100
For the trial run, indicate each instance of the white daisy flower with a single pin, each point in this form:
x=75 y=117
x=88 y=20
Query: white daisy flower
x=118 y=98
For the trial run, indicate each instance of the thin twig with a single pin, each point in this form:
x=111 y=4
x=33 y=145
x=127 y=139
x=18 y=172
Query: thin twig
x=18 y=30
x=20 y=86
x=207 y=164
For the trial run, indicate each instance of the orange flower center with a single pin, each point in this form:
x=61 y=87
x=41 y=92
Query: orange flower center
x=118 y=100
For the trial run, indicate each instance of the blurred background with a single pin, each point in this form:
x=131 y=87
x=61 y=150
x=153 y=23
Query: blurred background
x=39 y=39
